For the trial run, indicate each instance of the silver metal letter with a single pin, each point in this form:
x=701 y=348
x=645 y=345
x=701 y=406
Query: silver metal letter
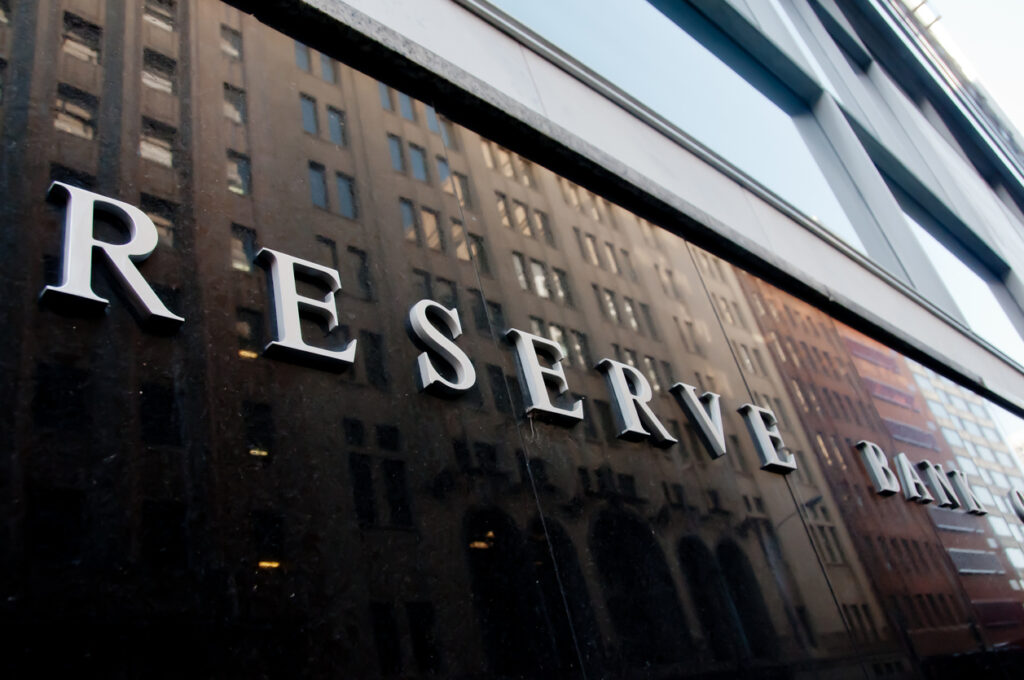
x=537 y=380
x=963 y=490
x=75 y=288
x=705 y=413
x=763 y=427
x=945 y=497
x=914 y=488
x=288 y=305
x=877 y=464
x=1017 y=502
x=630 y=393
x=425 y=334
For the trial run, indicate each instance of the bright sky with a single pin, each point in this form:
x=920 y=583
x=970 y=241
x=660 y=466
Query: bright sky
x=988 y=33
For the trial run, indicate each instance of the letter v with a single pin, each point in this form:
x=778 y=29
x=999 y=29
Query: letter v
x=705 y=413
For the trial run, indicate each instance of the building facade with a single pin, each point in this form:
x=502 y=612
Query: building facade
x=636 y=435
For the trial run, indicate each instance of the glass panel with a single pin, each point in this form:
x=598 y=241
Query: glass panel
x=971 y=293
x=726 y=110
x=243 y=491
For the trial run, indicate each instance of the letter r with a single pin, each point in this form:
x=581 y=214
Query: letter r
x=75 y=289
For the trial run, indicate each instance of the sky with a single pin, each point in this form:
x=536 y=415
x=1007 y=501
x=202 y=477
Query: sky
x=988 y=34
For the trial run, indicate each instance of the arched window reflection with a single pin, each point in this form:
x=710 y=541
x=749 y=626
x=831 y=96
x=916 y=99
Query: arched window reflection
x=715 y=607
x=512 y=618
x=569 y=578
x=638 y=588
x=748 y=599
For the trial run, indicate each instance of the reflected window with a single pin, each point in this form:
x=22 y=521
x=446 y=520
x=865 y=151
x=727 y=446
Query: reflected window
x=318 y=185
x=156 y=142
x=239 y=173
x=432 y=123
x=259 y=428
x=309 y=117
x=542 y=226
x=409 y=226
x=499 y=390
x=243 y=248
x=75 y=112
x=346 y=196
x=234 y=104
x=651 y=371
x=81 y=39
x=519 y=267
x=462 y=189
x=557 y=335
x=397 y=154
x=613 y=262
x=560 y=286
x=159 y=72
x=230 y=42
x=302 y=56
x=160 y=13
x=249 y=330
x=422 y=285
x=405 y=107
x=359 y=262
x=537 y=326
x=330 y=249
x=539 y=274
x=374 y=358
x=652 y=328
x=418 y=162
x=387 y=102
x=448 y=134
x=590 y=250
x=606 y=299
x=336 y=127
x=629 y=314
x=164 y=214
x=501 y=202
x=446 y=293
x=444 y=175
x=327 y=69
x=476 y=247
x=430 y=222
x=459 y=244
x=522 y=221
x=580 y=349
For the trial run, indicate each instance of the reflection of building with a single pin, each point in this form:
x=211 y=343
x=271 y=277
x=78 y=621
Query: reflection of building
x=278 y=510
x=887 y=377
x=820 y=508
x=184 y=493
x=822 y=372
x=969 y=430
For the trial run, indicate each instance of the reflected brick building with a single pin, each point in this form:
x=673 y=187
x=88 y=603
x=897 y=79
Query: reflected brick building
x=908 y=567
